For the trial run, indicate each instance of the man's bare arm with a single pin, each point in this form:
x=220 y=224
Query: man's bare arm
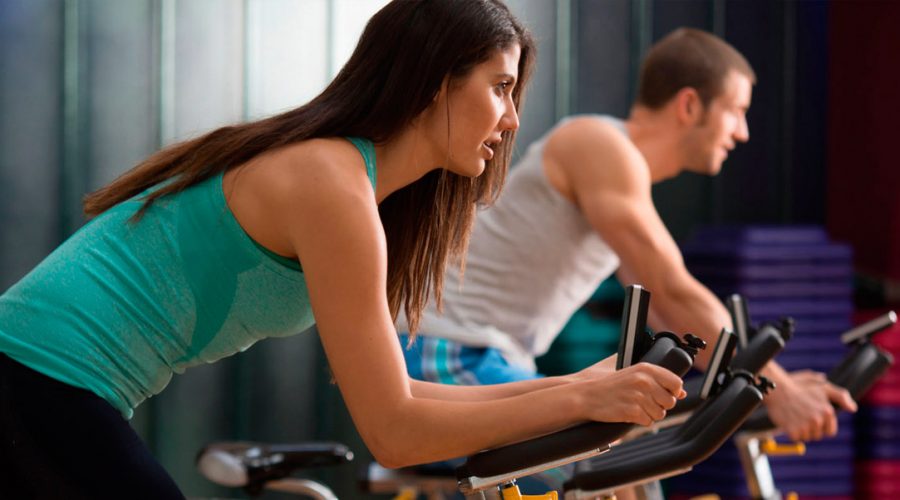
x=607 y=177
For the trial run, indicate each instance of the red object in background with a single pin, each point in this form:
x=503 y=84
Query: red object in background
x=885 y=392
x=878 y=479
x=863 y=132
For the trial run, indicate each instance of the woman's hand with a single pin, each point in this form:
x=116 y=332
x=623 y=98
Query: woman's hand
x=639 y=394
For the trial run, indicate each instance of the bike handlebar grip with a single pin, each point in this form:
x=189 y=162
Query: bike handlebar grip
x=859 y=371
x=760 y=350
x=693 y=442
x=691 y=401
x=549 y=448
x=582 y=438
x=665 y=352
x=869 y=328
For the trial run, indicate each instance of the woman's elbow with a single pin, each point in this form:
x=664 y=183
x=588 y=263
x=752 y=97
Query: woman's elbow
x=393 y=456
x=391 y=449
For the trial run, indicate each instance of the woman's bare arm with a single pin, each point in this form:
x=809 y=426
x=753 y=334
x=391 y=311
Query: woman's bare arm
x=327 y=210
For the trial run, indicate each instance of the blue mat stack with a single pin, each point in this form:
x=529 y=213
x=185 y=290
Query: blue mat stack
x=781 y=271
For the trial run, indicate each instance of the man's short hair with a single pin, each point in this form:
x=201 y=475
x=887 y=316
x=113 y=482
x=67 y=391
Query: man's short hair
x=692 y=58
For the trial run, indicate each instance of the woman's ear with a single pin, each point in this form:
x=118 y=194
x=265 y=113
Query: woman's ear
x=443 y=90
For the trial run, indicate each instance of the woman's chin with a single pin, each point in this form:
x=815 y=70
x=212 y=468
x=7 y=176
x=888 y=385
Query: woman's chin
x=471 y=170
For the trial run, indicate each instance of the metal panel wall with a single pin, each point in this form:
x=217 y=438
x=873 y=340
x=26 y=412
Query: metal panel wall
x=120 y=87
x=31 y=74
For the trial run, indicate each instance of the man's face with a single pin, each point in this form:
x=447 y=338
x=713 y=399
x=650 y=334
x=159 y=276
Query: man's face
x=722 y=126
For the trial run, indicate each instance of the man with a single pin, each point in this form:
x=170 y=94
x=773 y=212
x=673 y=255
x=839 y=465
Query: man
x=578 y=207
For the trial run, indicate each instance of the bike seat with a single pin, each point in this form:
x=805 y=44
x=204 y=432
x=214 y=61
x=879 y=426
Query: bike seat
x=250 y=464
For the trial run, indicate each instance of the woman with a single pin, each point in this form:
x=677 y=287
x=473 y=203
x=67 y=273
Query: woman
x=338 y=212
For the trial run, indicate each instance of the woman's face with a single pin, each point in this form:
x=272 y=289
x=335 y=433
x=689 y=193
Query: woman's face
x=480 y=108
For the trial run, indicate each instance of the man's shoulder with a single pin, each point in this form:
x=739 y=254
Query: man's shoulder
x=591 y=135
x=595 y=143
x=591 y=127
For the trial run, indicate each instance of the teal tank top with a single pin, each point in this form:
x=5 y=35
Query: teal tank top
x=119 y=307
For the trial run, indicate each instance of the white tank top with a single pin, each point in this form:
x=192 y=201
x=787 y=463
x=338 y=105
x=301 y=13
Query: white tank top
x=533 y=260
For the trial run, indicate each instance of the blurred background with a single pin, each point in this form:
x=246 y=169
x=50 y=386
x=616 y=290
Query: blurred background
x=88 y=88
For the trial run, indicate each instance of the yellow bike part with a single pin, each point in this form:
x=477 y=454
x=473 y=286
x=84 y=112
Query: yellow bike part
x=774 y=448
x=511 y=492
x=407 y=494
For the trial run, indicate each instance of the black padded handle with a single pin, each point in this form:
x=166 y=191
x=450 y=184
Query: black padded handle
x=549 y=448
x=676 y=449
x=765 y=344
x=857 y=373
x=582 y=438
x=666 y=352
x=693 y=426
x=693 y=399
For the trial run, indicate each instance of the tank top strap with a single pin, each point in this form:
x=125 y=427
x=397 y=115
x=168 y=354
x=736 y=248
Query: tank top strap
x=367 y=150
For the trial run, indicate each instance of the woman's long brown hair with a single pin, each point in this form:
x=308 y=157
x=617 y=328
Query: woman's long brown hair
x=396 y=70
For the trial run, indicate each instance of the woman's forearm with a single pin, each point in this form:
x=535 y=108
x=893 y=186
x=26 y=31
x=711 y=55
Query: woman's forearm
x=446 y=392
x=427 y=430
x=413 y=430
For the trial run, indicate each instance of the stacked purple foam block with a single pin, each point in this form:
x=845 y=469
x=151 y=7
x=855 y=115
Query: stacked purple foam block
x=782 y=271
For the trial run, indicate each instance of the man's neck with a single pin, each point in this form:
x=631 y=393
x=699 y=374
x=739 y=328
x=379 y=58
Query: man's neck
x=655 y=134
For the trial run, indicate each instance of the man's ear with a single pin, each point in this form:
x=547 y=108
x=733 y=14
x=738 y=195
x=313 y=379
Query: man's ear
x=688 y=107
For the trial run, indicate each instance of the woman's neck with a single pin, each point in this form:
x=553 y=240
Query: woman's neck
x=401 y=161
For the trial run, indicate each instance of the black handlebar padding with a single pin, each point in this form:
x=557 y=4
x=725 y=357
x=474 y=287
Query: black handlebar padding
x=675 y=449
x=763 y=347
x=691 y=401
x=665 y=352
x=760 y=350
x=650 y=444
x=556 y=446
x=857 y=373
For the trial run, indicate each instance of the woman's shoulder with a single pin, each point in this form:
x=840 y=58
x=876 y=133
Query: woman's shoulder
x=314 y=154
x=315 y=166
x=301 y=177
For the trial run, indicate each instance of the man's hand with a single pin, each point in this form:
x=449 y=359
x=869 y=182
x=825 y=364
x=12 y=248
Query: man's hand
x=801 y=405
